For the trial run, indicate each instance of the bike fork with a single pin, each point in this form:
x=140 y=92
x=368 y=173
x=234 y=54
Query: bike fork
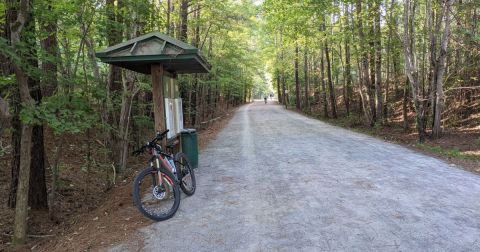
x=160 y=180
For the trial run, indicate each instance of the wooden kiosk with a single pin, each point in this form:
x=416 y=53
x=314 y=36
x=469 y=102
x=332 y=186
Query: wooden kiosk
x=163 y=57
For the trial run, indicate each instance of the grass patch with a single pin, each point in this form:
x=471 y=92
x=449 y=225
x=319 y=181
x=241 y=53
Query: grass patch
x=453 y=153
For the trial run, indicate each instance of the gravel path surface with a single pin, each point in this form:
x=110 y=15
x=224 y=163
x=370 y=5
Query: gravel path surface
x=274 y=180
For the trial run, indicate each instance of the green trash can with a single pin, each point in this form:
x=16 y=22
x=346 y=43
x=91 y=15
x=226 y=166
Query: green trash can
x=190 y=146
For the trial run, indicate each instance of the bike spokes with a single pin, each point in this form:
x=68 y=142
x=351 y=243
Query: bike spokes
x=187 y=175
x=156 y=201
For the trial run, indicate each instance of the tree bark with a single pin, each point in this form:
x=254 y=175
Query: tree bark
x=18 y=35
x=378 y=61
x=168 y=22
x=331 y=89
x=297 y=80
x=322 y=76
x=279 y=91
x=183 y=14
x=37 y=186
x=21 y=209
x=348 y=71
x=405 y=106
x=372 y=92
x=364 y=77
x=305 y=71
x=283 y=100
x=128 y=95
x=433 y=30
x=411 y=67
x=440 y=96
x=389 y=49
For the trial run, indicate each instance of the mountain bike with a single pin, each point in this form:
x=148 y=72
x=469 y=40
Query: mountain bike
x=156 y=189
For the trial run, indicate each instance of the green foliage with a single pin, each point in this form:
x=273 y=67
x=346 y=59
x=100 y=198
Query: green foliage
x=67 y=114
x=143 y=121
x=7 y=81
x=453 y=152
x=62 y=114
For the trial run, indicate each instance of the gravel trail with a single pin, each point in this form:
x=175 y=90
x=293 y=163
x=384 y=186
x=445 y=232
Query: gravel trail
x=274 y=180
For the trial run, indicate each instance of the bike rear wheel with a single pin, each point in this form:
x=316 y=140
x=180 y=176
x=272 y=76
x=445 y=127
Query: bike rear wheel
x=154 y=200
x=186 y=175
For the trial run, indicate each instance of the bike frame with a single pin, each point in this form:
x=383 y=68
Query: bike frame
x=160 y=162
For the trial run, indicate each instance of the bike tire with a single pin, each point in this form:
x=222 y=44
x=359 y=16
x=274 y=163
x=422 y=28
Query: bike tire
x=145 y=188
x=184 y=169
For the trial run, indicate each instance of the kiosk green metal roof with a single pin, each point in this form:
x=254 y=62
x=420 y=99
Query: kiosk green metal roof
x=140 y=53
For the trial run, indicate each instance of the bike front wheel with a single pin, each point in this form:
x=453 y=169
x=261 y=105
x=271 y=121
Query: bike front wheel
x=156 y=194
x=186 y=175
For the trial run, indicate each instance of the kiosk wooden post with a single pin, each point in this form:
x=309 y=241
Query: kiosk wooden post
x=158 y=99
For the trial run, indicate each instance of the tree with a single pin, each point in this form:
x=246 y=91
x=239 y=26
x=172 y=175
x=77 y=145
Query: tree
x=378 y=59
x=37 y=198
x=297 y=79
x=348 y=71
x=331 y=89
x=18 y=35
x=440 y=66
x=363 y=69
x=305 y=74
x=411 y=66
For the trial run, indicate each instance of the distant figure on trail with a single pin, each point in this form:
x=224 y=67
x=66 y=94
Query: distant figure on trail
x=265 y=99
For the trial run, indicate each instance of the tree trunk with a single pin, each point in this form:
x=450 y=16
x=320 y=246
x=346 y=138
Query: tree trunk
x=305 y=73
x=183 y=14
x=331 y=90
x=297 y=80
x=284 y=95
x=405 y=106
x=348 y=71
x=18 y=36
x=11 y=17
x=441 y=65
x=364 y=77
x=279 y=91
x=389 y=49
x=128 y=94
x=16 y=144
x=193 y=102
x=37 y=197
x=37 y=186
x=433 y=30
x=411 y=67
x=21 y=209
x=378 y=61
x=324 y=91
x=168 y=22
x=4 y=114
x=372 y=93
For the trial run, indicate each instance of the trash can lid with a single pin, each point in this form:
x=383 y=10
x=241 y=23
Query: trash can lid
x=188 y=131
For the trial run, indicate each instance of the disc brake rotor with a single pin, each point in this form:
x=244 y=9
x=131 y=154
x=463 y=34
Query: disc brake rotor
x=159 y=193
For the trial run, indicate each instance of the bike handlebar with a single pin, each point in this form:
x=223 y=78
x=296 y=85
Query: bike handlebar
x=160 y=136
x=152 y=143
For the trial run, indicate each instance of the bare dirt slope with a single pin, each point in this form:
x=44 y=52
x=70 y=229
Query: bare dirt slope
x=276 y=180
